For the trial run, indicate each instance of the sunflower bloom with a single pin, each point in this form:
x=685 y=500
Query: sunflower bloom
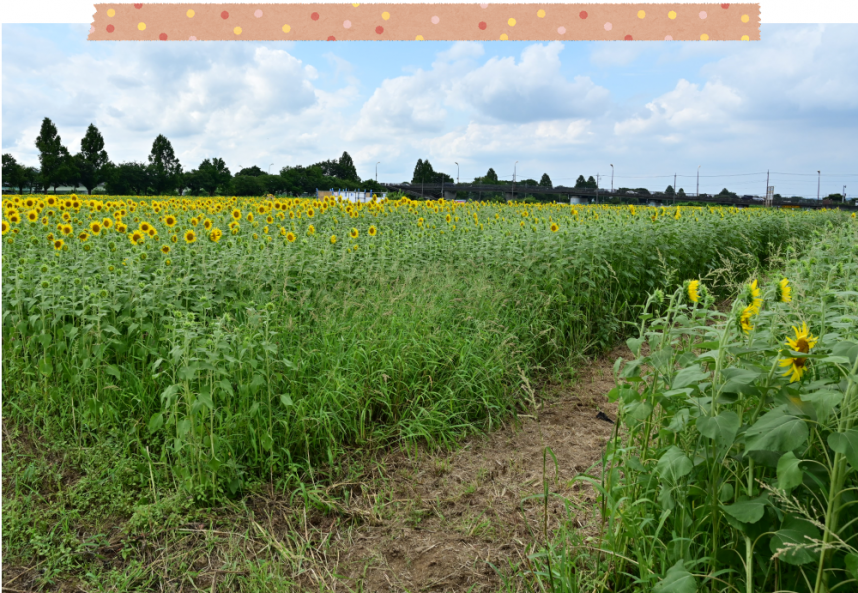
x=95 y=227
x=165 y=249
x=137 y=237
x=83 y=236
x=745 y=318
x=372 y=231
x=58 y=244
x=693 y=291
x=190 y=236
x=170 y=220
x=290 y=236
x=803 y=342
x=784 y=291
x=333 y=239
x=5 y=227
x=354 y=233
x=756 y=299
x=554 y=227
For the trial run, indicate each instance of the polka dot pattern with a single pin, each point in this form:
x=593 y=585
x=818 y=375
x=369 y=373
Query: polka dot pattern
x=449 y=22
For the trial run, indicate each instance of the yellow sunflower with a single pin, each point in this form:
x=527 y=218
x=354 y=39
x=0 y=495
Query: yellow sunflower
x=58 y=244
x=170 y=220
x=190 y=236
x=311 y=230
x=5 y=227
x=165 y=249
x=693 y=291
x=32 y=216
x=137 y=237
x=236 y=214
x=333 y=239
x=554 y=227
x=290 y=236
x=107 y=223
x=784 y=291
x=354 y=233
x=803 y=342
x=745 y=318
x=756 y=299
x=95 y=227
x=372 y=231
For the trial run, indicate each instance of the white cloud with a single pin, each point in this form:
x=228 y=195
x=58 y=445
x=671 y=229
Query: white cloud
x=687 y=108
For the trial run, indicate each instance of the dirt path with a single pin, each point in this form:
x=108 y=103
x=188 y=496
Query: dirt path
x=436 y=522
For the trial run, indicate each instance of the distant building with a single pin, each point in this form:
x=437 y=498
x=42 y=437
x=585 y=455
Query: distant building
x=350 y=195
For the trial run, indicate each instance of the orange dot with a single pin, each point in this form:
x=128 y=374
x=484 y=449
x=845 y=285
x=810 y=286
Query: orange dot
x=504 y=37
x=540 y=13
x=385 y=15
x=286 y=28
x=141 y=26
x=511 y=22
x=745 y=18
x=237 y=30
x=111 y=12
x=745 y=38
x=704 y=37
x=641 y=14
x=671 y=15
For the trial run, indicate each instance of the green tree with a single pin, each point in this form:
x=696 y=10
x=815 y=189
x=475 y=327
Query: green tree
x=491 y=177
x=680 y=193
x=591 y=182
x=669 y=191
x=91 y=159
x=253 y=171
x=213 y=174
x=13 y=173
x=545 y=181
x=346 y=168
x=164 y=166
x=68 y=172
x=50 y=154
x=580 y=183
x=128 y=179
x=247 y=185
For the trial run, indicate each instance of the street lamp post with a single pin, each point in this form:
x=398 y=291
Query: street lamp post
x=612 y=179
x=457 y=173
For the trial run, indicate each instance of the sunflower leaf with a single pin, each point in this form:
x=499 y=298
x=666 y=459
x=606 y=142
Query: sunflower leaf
x=776 y=431
x=790 y=474
x=846 y=443
x=674 y=464
x=677 y=580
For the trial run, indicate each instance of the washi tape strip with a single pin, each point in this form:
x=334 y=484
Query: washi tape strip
x=438 y=22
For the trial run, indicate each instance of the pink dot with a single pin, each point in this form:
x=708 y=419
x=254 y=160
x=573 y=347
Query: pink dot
x=258 y=13
x=162 y=37
x=561 y=30
x=482 y=25
x=379 y=30
x=224 y=15
x=703 y=14
x=192 y=38
x=315 y=16
x=583 y=14
x=435 y=20
x=608 y=26
x=484 y=5
x=332 y=38
x=347 y=24
x=668 y=38
x=92 y=28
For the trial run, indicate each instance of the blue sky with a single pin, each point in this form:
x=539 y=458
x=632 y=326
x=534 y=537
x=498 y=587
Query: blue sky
x=788 y=103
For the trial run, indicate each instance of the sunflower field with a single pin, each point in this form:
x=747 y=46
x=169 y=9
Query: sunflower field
x=230 y=340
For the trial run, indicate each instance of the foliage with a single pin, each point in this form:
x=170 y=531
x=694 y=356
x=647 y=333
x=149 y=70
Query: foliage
x=736 y=448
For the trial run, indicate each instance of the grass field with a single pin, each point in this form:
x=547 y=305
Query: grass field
x=181 y=353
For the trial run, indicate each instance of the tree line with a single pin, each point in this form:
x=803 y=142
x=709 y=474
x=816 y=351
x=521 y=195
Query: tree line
x=163 y=174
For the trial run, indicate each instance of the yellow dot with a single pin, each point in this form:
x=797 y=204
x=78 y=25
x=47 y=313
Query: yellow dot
x=671 y=15
x=745 y=18
x=237 y=30
x=385 y=15
x=504 y=37
x=355 y=4
x=540 y=13
x=641 y=14
x=190 y=14
x=511 y=22
x=419 y=38
x=141 y=26
x=745 y=38
x=704 y=37
x=111 y=12
x=286 y=28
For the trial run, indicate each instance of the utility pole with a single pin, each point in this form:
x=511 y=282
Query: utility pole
x=513 y=179
x=376 y=172
x=767 y=188
x=597 y=188
x=674 y=188
x=612 y=179
x=457 y=173
x=698 y=180
x=818 y=183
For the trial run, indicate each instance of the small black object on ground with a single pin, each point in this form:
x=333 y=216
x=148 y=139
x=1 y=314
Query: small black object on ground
x=602 y=416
